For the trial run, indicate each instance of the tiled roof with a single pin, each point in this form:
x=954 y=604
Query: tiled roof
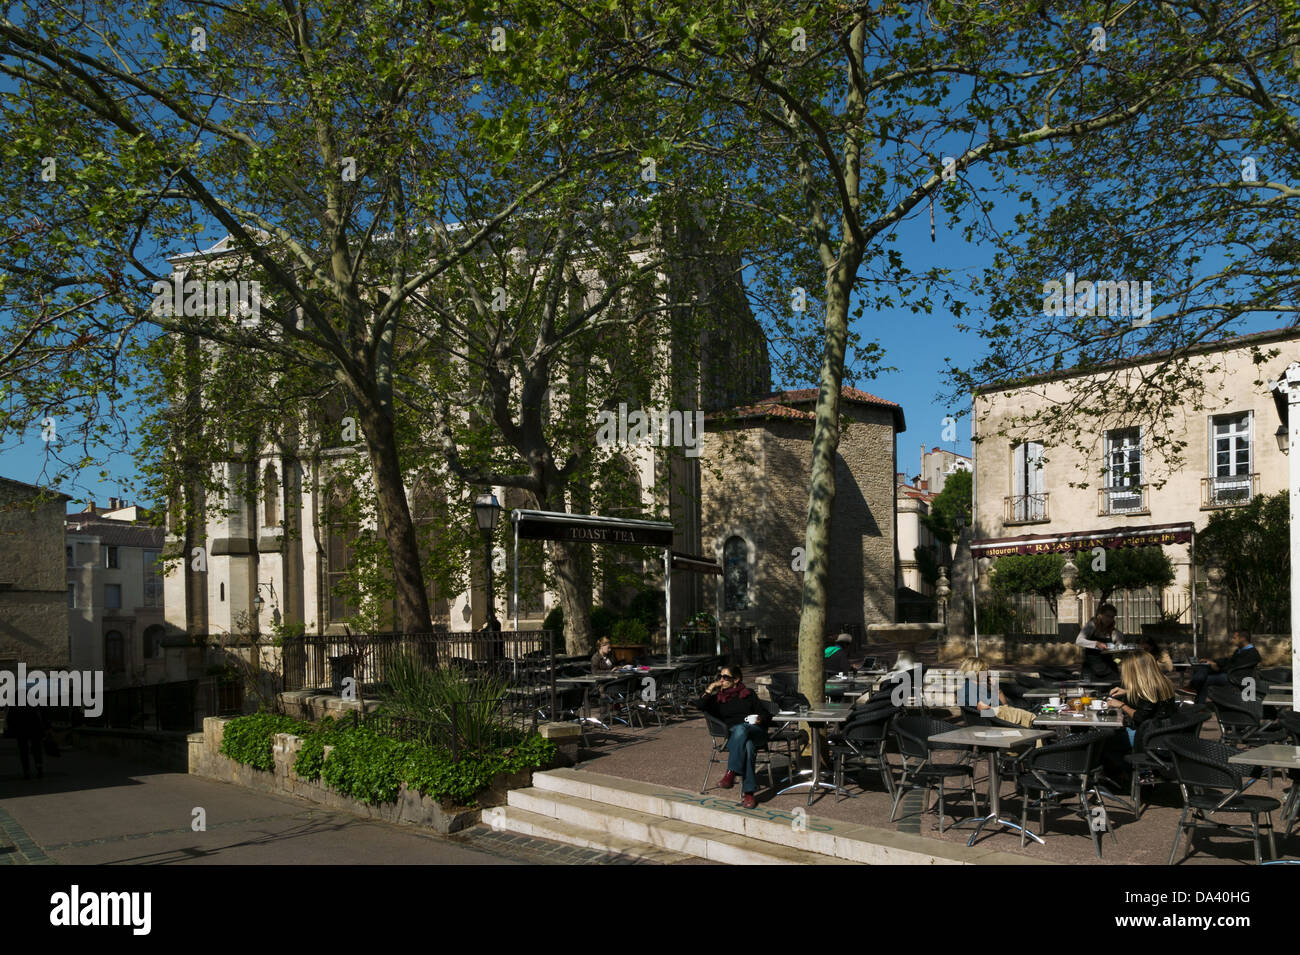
x=116 y=533
x=776 y=405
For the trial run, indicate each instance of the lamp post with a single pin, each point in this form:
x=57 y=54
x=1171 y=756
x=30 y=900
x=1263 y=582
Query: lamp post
x=1286 y=395
x=487 y=511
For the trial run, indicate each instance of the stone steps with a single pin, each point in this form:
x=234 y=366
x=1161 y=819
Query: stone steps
x=615 y=829
x=628 y=816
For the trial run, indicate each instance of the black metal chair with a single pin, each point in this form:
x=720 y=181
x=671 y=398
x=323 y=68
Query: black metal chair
x=1058 y=770
x=1242 y=721
x=862 y=741
x=720 y=736
x=1150 y=760
x=620 y=697
x=788 y=736
x=913 y=736
x=1210 y=784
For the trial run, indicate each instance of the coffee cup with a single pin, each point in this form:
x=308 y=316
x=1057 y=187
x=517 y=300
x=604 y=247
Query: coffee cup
x=1054 y=701
x=752 y=719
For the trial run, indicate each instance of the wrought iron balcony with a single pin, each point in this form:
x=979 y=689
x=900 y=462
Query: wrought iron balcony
x=1025 y=508
x=1122 y=500
x=1231 y=491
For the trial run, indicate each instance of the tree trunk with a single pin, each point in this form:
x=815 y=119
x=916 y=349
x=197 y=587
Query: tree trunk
x=395 y=522
x=821 y=484
x=574 y=589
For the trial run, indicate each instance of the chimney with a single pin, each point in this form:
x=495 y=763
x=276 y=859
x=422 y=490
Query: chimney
x=925 y=485
x=90 y=507
x=900 y=478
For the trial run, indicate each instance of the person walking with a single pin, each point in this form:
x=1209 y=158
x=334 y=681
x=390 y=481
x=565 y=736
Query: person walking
x=28 y=725
x=1096 y=636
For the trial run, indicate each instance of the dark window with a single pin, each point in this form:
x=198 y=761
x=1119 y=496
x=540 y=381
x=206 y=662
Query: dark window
x=112 y=596
x=110 y=557
x=72 y=596
x=153 y=583
x=270 y=497
x=735 y=565
x=340 y=536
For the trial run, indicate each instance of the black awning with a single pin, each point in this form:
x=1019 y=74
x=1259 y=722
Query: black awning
x=590 y=528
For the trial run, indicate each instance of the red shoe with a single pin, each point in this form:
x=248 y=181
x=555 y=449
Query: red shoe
x=728 y=780
x=749 y=802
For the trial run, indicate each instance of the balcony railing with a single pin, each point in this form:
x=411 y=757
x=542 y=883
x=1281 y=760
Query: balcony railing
x=1122 y=500
x=1025 y=508
x=1231 y=491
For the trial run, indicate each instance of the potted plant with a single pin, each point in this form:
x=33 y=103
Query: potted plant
x=629 y=637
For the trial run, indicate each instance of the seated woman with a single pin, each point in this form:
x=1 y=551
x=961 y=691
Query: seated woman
x=1146 y=695
x=837 y=655
x=736 y=705
x=602 y=661
x=968 y=694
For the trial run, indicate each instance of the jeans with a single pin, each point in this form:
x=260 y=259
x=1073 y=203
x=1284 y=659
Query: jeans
x=742 y=749
x=1202 y=678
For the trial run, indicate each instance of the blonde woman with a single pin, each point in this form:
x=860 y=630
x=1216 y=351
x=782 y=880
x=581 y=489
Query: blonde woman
x=1146 y=694
x=1011 y=714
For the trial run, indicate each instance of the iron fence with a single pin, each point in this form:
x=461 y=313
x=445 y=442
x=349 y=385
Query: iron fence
x=325 y=661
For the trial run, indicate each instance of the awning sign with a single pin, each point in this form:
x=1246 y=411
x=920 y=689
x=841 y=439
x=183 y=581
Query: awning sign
x=1108 y=539
x=591 y=528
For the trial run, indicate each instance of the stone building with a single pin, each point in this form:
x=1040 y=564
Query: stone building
x=1023 y=482
x=268 y=554
x=756 y=507
x=33 y=591
x=115 y=593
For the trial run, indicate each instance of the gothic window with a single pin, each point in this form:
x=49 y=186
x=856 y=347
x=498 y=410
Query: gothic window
x=735 y=569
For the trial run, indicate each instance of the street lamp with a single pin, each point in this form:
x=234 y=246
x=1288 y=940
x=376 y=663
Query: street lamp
x=487 y=511
x=1283 y=439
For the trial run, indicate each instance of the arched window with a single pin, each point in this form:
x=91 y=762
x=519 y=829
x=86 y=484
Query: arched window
x=270 y=497
x=735 y=569
x=340 y=536
x=152 y=642
x=114 y=652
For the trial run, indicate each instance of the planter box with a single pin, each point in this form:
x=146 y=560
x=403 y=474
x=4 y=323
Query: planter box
x=630 y=652
x=410 y=807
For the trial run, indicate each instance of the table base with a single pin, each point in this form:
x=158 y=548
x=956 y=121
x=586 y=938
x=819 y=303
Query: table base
x=981 y=822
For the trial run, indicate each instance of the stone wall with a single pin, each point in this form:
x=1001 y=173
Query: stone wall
x=411 y=808
x=760 y=493
x=34 y=595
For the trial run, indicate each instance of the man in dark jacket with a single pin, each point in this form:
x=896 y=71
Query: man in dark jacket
x=28 y=725
x=739 y=708
x=1241 y=663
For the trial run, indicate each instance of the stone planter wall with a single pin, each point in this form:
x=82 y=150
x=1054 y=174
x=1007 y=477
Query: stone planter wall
x=411 y=808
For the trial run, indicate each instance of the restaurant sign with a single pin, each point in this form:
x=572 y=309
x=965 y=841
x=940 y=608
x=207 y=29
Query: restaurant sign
x=1151 y=535
x=591 y=529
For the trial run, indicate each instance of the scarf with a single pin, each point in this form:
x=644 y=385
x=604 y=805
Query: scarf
x=737 y=691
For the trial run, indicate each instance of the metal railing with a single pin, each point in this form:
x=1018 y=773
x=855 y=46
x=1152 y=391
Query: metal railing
x=1234 y=491
x=1122 y=500
x=1025 y=508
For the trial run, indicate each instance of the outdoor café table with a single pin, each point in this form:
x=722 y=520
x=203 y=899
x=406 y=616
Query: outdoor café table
x=993 y=739
x=1279 y=756
x=1282 y=701
x=826 y=714
x=1092 y=719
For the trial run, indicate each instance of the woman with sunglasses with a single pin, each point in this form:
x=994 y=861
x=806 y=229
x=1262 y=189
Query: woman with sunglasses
x=736 y=705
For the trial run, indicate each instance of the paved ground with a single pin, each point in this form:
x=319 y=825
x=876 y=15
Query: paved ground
x=676 y=755
x=94 y=810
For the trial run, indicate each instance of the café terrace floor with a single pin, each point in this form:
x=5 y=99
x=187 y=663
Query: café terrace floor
x=675 y=755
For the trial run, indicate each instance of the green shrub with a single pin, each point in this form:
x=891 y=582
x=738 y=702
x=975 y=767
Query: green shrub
x=629 y=630
x=444 y=695
x=250 y=739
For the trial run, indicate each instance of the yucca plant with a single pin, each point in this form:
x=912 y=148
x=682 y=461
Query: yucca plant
x=447 y=697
